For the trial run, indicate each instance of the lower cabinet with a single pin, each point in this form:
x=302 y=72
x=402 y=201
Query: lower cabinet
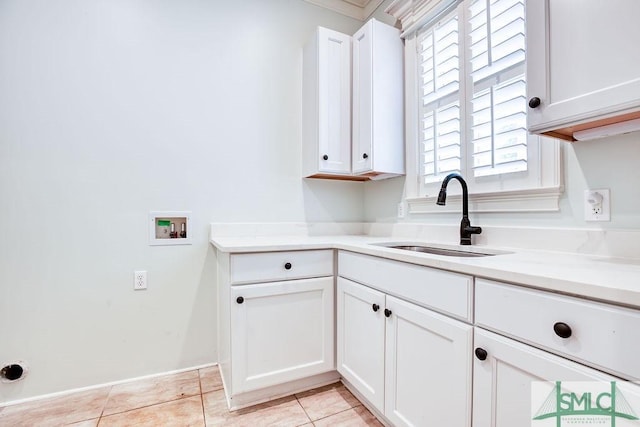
x=412 y=364
x=281 y=332
x=360 y=339
x=504 y=371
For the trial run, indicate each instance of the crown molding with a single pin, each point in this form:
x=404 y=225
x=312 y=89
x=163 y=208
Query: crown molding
x=358 y=9
x=415 y=13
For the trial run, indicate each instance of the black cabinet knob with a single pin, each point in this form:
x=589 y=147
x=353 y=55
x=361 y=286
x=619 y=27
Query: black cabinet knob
x=375 y=307
x=365 y=156
x=287 y=266
x=534 y=102
x=239 y=300
x=325 y=157
x=481 y=353
x=387 y=312
x=562 y=330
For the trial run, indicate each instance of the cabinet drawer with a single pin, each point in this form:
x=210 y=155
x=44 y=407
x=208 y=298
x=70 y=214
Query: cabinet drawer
x=272 y=266
x=443 y=291
x=601 y=335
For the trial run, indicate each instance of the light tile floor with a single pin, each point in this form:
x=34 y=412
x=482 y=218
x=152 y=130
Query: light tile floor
x=193 y=398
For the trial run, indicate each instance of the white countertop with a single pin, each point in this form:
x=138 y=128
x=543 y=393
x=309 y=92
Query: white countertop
x=596 y=277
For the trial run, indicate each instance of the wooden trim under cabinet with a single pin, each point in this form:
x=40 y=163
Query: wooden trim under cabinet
x=566 y=133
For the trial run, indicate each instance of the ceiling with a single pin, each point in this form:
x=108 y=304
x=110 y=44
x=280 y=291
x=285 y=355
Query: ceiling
x=358 y=9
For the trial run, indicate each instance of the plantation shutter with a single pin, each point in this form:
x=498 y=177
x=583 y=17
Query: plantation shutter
x=440 y=116
x=498 y=104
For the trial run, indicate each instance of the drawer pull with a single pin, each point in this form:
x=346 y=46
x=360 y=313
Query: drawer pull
x=481 y=353
x=562 y=330
x=239 y=300
x=387 y=312
x=287 y=266
x=375 y=307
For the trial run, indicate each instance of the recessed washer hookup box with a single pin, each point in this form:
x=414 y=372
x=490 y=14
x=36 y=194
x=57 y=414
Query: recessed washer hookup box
x=169 y=228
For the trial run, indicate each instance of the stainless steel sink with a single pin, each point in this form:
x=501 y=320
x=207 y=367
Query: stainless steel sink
x=435 y=250
x=440 y=251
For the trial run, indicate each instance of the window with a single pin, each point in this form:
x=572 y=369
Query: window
x=468 y=67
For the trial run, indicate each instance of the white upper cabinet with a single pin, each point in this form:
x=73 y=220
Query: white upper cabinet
x=352 y=118
x=326 y=98
x=377 y=101
x=583 y=65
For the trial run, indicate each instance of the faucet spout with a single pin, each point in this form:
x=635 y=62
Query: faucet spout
x=466 y=230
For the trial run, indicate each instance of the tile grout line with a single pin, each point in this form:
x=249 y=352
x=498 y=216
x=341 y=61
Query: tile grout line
x=339 y=412
x=149 y=406
x=104 y=405
x=304 y=410
x=204 y=415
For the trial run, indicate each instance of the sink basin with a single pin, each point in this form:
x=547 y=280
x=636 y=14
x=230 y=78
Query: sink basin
x=440 y=251
x=443 y=250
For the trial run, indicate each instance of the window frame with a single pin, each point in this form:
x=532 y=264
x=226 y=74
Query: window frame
x=542 y=194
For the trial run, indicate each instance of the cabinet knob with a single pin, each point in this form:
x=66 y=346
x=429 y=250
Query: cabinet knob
x=481 y=353
x=325 y=157
x=534 y=102
x=365 y=156
x=387 y=312
x=239 y=300
x=375 y=307
x=562 y=330
x=287 y=266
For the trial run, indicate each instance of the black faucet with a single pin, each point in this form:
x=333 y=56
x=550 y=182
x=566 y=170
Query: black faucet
x=466 y=230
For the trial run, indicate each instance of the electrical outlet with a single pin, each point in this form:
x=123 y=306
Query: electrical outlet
x=401 y=212
x=139 y=280
x=597 y=205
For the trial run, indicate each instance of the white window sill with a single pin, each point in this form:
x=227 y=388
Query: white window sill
x=536 y=200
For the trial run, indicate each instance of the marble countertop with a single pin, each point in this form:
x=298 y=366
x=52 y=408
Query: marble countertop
x=615 y=280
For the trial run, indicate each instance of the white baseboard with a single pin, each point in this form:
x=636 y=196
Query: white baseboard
x=109 y=384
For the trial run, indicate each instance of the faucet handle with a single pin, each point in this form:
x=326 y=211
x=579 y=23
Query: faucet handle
x=473 y=230
x=466 y=230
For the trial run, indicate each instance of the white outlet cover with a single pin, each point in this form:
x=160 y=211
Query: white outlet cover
x=594 y=211
x=401 y=210
x=139 y=280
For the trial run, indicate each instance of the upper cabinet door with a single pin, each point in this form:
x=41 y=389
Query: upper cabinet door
x=334 y=101
x=362 y=99
x=326 y=112
x=378 y=117
x=583 y=64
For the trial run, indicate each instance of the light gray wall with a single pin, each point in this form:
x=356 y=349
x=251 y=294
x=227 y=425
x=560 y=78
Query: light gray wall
x=606 y=163
x=110 y=109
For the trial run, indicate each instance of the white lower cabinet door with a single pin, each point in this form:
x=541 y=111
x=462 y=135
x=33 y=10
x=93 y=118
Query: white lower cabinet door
x=281 y=331
x=360 y=339
x=504 y=371
x=428 y=367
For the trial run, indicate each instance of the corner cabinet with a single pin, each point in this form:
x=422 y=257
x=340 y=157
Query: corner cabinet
x=352 y=118
x=412 y=364
x=582 y=65
x=276 y=323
